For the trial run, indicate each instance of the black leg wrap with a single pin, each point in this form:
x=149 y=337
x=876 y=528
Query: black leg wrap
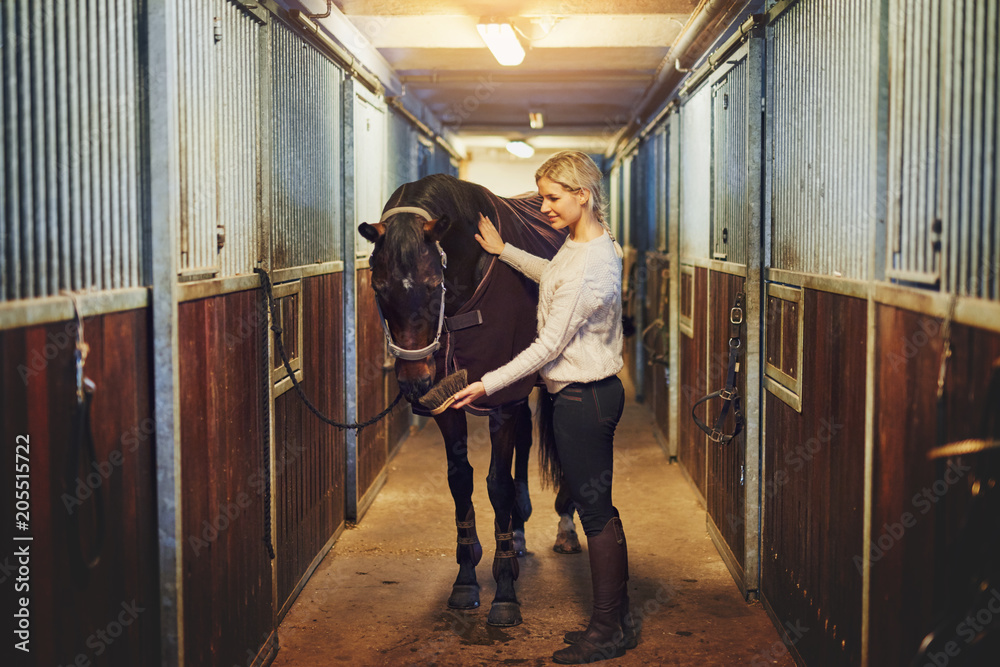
x=505 y=613
x=468 y=553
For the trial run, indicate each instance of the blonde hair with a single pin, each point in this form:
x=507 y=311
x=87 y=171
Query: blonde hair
x=576 y=171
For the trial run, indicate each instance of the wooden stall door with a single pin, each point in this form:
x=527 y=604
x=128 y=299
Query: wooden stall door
x=70 y=601
x=310 y=456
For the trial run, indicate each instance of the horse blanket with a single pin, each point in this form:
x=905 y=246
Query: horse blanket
x=499 y=319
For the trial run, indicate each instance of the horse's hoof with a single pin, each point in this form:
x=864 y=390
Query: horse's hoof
x=504 y=614
x=567 y=543
x=520 y=548
x=464 y=596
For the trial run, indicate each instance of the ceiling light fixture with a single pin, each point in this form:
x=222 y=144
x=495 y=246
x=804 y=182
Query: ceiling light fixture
x=520 y=149
x=502 y=42
x=536 y=120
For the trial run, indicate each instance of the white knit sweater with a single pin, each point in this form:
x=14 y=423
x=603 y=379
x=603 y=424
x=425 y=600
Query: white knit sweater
x=579 y=315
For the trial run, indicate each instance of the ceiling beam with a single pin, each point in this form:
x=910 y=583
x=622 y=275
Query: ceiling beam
x=450 y=77
x=541 y=32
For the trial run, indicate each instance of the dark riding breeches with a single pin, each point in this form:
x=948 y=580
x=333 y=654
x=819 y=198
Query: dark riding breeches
x=584 y=417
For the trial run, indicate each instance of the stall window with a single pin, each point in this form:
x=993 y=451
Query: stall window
x=687 y=300
x=783 y=344
x=288 y=305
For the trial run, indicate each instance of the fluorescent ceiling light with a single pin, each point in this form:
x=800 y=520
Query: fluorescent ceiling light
x=520 y=149
x=502 y=42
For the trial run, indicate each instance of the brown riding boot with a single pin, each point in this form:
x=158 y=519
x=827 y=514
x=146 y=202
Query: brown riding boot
x=603 y=638
x=630 y=635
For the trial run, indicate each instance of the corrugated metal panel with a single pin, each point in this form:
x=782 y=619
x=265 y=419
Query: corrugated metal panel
x=615 y=200
x=626 y=212
x=942 y=175
x=196 y=81
x=695 y=174
x=662 y=194
x=219 y=103
x=369 y=163
x=238 y=114
x=402 y=159
x=307 y=161
x=730 y=198
x=823 y=137
x=70 y=197
x=644 y=195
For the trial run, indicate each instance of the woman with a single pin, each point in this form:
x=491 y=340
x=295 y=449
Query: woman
x=578 y=353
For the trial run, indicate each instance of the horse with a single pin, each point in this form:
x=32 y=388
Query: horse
x=445 y=305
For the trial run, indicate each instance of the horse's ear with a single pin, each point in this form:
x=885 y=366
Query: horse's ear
x=372 y=232
x=434 y=229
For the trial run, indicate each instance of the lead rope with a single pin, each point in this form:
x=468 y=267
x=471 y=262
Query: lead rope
x=266 y=428
x=265 y=282
x=83 y=444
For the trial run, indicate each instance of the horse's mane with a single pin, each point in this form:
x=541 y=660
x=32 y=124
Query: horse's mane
x=450 y=200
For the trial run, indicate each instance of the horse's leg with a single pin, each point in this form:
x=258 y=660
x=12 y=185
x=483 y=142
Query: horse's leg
x=522 y=452
x=567 y=541
x=506 y=610
x=465 y=591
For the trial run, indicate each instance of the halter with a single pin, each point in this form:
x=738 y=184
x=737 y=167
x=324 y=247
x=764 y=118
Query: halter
x=424 y=352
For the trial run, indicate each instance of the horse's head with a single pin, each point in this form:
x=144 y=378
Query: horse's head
x=407 y=268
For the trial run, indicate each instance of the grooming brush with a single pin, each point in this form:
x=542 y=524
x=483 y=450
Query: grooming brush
x=442 y=394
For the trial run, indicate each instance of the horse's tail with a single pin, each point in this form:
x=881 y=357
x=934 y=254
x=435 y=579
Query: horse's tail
x=548 y=457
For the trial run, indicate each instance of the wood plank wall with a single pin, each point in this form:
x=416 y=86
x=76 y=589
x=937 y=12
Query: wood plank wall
x=691 y=449
x=310 y=460
x=373 y=451
x=37 y=393
x=814 y=485
x=657 y=340
x=725 y=498
x=909 y=573
x=227 y=572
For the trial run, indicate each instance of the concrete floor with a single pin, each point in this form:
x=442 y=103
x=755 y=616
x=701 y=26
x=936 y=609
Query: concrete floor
x=379 y=596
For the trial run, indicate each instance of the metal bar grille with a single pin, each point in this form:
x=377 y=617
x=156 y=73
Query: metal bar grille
x=69 y=100
x=307 y=162
x=731 y=203
x=822 y=119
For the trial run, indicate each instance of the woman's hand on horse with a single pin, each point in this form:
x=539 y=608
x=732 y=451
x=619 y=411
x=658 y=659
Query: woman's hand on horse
x=469 y=394
x=489 y=237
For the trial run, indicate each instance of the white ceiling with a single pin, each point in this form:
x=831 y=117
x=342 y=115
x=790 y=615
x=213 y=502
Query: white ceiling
x=588 y=62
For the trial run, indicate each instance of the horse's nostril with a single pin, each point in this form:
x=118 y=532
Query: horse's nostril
x=414 y=389
x=423 y=386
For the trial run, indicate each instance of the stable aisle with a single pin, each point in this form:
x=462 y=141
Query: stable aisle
x=378 y=598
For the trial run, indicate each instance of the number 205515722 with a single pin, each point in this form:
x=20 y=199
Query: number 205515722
x=22 y=482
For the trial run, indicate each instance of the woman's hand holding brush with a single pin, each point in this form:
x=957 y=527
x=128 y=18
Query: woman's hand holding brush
x=469 y=394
